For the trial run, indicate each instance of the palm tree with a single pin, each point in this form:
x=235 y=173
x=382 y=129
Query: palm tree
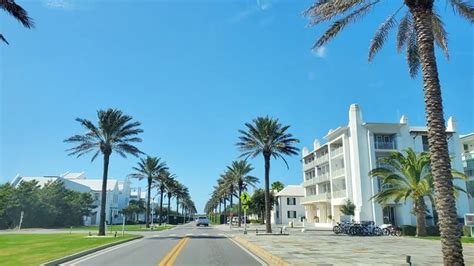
x=239 y=171
x=17 y=12
x=114 y=132
x=408 y=176
x=149 y=168
x=278 y=186
x=268 y=137
x=163 y=178
x=420 y=28
x=170 y=186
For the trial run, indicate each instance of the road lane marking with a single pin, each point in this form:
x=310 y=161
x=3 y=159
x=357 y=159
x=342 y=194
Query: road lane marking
x=172 y=235
x=204 y=234
x=167 y=260
x=189 y=234
x=99 y=253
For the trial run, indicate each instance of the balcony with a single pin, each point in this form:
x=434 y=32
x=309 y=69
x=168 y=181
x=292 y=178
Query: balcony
x=337 y=151
x=322 y=178
x=379 y=145
x=322 y=197
x=338 y=172
x=309 y=165
x=309 y=182
x=339 y=194
x=322 y=159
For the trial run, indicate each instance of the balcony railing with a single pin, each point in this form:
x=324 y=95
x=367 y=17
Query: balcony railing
x=322 y=178
x=337 y=151
x=339 y=193
x=309 y=182
x=322 y=197
x=322 y=159
x=385 y=145
x=338 y=172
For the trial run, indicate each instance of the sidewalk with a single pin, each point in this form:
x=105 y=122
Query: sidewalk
x=324 y=247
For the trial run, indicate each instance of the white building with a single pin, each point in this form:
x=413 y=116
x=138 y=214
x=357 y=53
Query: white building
x=118 y=193
x=467 y=143
x=288 y=205
x=338 y=170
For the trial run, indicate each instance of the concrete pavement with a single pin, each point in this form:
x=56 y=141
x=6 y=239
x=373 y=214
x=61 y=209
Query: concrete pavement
x=183 y=245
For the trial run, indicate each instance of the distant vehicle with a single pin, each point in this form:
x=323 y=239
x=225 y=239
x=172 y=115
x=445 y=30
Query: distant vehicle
x=202 y=221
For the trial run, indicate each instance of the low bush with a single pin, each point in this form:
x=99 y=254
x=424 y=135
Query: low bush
x=466 y=230
x=408 y=230
x=432 y=230
x=253 y=221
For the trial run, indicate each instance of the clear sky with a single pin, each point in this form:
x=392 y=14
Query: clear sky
x=193 y=72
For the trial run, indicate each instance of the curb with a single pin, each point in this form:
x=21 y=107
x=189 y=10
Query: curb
x=266 y=256
x=87 y=252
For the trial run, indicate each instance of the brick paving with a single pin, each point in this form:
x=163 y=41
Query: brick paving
x=326 y=248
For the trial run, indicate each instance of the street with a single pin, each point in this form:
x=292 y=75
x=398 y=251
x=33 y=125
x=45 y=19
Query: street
x=184 y=245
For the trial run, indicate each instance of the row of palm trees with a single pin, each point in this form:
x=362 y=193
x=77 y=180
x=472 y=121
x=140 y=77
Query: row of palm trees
x=264 y=136
x=231 y=183
x=116 y=132
x=157 y=175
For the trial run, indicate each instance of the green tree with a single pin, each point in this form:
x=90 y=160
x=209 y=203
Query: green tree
x=239 y=172
x=268 y=137
x=171 y=186
x=9 y=206
x=258 y=201
x=408 y=177
x=149 y=168
x=163 y=179
x=277 y=186
x=17 y=12
x=420 y=28
x=114 y=132
x=348 y=208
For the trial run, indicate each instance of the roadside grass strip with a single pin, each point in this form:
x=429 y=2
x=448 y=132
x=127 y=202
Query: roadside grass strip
x=34 y=249
x=118 y=228
x=171 y=257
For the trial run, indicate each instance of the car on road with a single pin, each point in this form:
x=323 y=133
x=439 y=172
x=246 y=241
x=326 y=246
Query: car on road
x=202 y=221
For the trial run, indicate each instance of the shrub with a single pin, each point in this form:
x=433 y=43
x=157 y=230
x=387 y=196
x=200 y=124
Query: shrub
x=432 y=230
x=408 y=230
x=466 y=230
x=253 y=221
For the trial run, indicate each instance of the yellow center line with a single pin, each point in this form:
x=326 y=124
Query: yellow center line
x=169 y=259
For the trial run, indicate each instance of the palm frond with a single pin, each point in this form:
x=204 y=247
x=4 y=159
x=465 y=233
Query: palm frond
x=463 y=8
x=338 y=25
x=413 y=58
x=404 y=30
x=17 y=12
x=381 y=34
x=2 y=38
x=324 y=10
x=440 y=34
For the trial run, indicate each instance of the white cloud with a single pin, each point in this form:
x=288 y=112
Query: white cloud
x=321 y=52
x=60 y=4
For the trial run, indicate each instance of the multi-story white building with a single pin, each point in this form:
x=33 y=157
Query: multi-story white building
x=118 y=193
x=288 y=205
x=467 y=143
x=338 y=170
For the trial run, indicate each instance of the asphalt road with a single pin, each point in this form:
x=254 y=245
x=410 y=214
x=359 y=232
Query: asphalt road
x=183 y=245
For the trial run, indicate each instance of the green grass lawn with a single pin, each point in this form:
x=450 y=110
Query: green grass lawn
x=464 y=239
x=34 y=249
x=118 y=228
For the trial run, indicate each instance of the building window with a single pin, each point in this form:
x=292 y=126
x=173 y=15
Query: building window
x=470 y=188
x=385 y=141
x=466 y=147
x=291 y=214
x=290 y=201
x=278 y=214
x=310 y=174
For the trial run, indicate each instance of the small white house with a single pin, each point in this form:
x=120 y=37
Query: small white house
x=288 y=208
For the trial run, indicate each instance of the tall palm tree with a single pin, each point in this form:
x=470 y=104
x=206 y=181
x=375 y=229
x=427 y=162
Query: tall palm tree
x=114 y=132
x=17 y=12
x=149 y=168
x=170 y=186
x=408 y=176
x=420 y=28
x=268 y=137
x=278 y=186
x=239 y=171
x=163 y=178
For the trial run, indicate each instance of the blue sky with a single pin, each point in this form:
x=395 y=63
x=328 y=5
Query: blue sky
x=193 y=72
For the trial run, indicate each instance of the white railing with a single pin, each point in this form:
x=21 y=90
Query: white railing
x=322 y=178
x=309 y=182
x=315 y=198
x=379 y=145
x=338 y=172
x=337 y=151
x=339 y=193
x=322 y=159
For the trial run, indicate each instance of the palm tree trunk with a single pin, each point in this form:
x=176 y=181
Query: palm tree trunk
x=231 y=203
x=268 y=225
x=161 y=204
x=420 y=211
x=177 y=208
x=169 y=208
x=103 y=198
x=147 y=216
x=240 y=206
x=440 y=162
x=225 y=210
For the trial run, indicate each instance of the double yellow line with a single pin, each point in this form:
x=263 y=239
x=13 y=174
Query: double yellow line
x=169 y=259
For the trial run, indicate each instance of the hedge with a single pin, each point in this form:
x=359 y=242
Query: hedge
x=410 y=230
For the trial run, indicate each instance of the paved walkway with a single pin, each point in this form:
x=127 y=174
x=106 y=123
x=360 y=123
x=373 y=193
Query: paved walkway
x=324 y=247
